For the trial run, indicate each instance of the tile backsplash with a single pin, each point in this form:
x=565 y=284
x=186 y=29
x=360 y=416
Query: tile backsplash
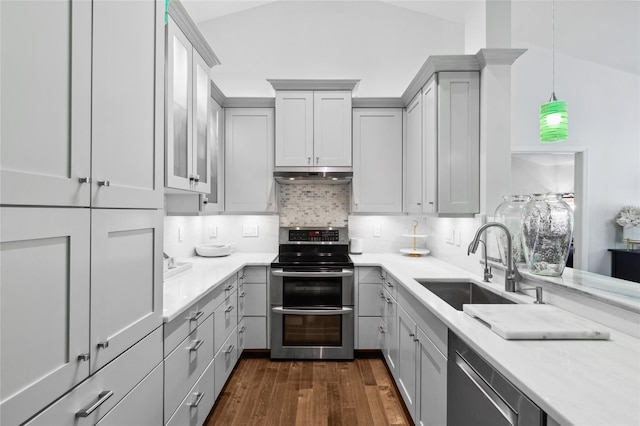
x=313 y=204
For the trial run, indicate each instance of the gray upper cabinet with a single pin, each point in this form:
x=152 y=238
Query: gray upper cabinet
x=89 y=131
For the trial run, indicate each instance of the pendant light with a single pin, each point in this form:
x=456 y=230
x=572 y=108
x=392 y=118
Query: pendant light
x=553 y=114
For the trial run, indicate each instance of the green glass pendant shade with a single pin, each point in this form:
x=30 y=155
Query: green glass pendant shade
x=553 y=121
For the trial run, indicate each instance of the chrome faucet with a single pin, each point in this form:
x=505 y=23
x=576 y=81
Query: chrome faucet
x=511 y=275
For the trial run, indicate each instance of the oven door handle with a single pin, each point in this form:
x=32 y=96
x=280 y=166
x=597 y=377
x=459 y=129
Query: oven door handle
x=341 y=311
x=282 y=273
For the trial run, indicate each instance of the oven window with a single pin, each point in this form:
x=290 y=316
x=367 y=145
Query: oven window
x=303 y=292
x=312 y=330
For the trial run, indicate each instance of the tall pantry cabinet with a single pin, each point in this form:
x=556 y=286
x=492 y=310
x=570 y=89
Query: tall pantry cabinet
x=81 y=182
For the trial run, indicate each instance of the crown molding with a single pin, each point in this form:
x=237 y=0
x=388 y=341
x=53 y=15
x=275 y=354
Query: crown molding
x=249 y=103
x=296 y=84
x=498 y=56
x=435 y=64
x=217 y=94
x=377 y=103
x=181 y=17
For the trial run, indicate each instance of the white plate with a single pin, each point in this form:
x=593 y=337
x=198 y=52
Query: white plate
x=416 y=252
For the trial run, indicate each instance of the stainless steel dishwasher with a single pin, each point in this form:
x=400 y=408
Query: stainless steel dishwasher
x=478 y=395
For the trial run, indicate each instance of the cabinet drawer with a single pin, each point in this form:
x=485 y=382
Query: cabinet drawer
x=391 y=285
x=252 y=299
x=224 y=361
x=185 y=364
x=118 y=378
x=368 y=333
x=142 y=406
x=254 y=275
x=369 y=274
x=195 y=408
x=369 y=300
x=225 y=319
x=179 y=328
x=224 y=290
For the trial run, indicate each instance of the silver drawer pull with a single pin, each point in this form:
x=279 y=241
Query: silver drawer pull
x=243 y=294
x=389 y=301
x=242 y=329
x=102 y=397
x=412 y=335
x=84 y=180
x=199 y=396
x=381 y=329
x=416 y=340
x=229 y=349
x=104 y=183
x=389 y=284
x=196 y=316
x=196 y=345
x=103 y=345
x=83 y=357
x=382 y=295
x=229 y=309
x=229 y=287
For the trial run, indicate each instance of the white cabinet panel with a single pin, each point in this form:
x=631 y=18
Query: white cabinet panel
x=44 y=308
x=407 y=365
x=96 y=396
x=370 y=300
x=127 y=111
x=332 y=128
x=142 y=406
x=224 y=362
x=377 y=160
x=225 y=319
x=253 y=298
x=126 y=280
x=390 y=318
x=294 y=128
x=45 y=116
x=249 y=160
x=186 y=363
x=431 y=395
x=413 y=156
x=254 y=330
x=368 y=333
x=195 y=408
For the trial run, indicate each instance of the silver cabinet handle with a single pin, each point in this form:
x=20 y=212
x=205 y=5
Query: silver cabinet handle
x=229 y=287
x=381 y=329
x=382 y=296
x=84 y=180
x=229 y=349
x=389 y=301
x=326 y=312
x=308 y=160
x=104 y=183
x=416 y=340
x=241 y=277
x=196 y=316
x=281 y=273
x=412 y=335
x=389 y=284
x=317 y=160
x=196 y=345
x=242 y=329
x=84 y=357
x=103 y=345
x=102 y=397
x=229 y=309
x=243 y=294
x=194 y=404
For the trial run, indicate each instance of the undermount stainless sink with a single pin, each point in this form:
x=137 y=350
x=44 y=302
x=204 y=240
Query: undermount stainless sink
x=458 y=293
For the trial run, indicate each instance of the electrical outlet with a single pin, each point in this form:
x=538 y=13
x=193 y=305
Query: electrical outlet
x=180 y=237
x=376 y=230
x=213 y=231
x=249 y=230
x=449 y=236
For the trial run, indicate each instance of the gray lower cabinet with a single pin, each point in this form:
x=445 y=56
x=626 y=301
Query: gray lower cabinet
x=195 y=407
x=252 y=308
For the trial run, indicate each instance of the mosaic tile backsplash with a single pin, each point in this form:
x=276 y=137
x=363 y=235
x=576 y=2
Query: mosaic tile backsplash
x=313 y=204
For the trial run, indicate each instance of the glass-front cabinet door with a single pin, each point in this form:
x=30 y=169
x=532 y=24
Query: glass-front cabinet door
x=214 y=200
x=200 y=174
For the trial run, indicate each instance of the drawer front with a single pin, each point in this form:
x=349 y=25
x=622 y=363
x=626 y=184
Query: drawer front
x=242 y=328
x=255 y=333
x=391 y=285
x=226 y=320
x=224 y=362
x=252 y=299
x=142 y=406
x=178 y=329
x=224 y=290
x=369 y=274
x=253 y=275
x=369 y=301
x=105 y=388
x=195 y=408
x=186 y=363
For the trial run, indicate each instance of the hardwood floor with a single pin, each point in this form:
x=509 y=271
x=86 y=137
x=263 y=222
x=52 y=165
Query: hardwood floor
x=265 y=392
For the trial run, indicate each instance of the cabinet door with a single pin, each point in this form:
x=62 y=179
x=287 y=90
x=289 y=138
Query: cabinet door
x=249 y=160
x=201 y=162
x=214 y=200
x=224 y=362
x=390 y=317
x=254 y=299
x=332 y=128
x=254 y=333
x=127 y=107
x=45 y=116
x=377 y=160
x=126 y=280
x=430 y=132
x=431 y=398
x=413 y=159
x=294 y=128
x=179 y=155
x=459 y=142
x=407 y=364
x=44 y=308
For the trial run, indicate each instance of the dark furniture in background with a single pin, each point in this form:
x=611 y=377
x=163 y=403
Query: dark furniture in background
x=625 y=264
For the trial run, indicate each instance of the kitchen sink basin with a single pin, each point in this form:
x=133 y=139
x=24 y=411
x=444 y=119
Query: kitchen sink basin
x=461 y=292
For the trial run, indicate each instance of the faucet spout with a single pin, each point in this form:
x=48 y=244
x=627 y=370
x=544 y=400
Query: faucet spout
x=511 y=274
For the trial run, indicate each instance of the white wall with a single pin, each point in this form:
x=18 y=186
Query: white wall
x=596 y=72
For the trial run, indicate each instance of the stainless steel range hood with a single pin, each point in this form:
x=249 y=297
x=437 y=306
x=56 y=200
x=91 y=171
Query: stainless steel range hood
x=328 y=175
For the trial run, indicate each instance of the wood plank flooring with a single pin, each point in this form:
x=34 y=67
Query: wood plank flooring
x=331 y=393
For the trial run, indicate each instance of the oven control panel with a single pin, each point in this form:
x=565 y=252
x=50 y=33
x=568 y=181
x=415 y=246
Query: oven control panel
x=314 y=235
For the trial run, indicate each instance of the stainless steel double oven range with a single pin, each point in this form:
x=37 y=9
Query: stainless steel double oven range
x=312 y=294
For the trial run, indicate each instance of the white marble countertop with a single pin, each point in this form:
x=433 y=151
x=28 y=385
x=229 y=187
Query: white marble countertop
x=576 y=382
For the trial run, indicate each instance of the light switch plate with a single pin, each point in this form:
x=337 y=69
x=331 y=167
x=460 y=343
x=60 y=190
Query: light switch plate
x=213 y=231
x=249 y=230
x=180 y=237
x=377 y=230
